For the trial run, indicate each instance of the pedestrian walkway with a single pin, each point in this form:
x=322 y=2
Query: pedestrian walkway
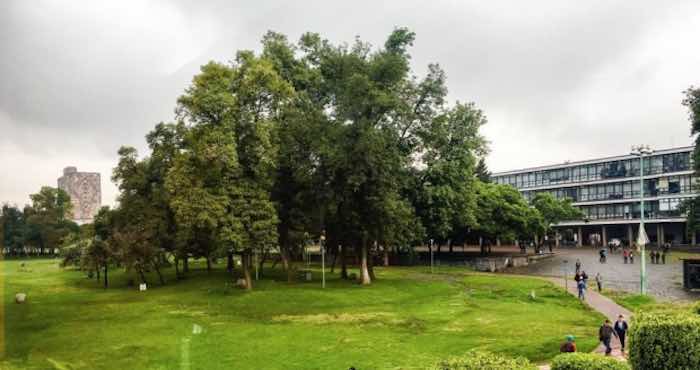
x=602 y=304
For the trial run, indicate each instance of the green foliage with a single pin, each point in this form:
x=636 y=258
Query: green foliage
x=692 y=102
x=587 y=361
x=13 y=227
x=665 y=341
x=555 y=210
x=479 y=360
x=482 y=172
x=691 y=208
x=47 y=220
x=504 y=212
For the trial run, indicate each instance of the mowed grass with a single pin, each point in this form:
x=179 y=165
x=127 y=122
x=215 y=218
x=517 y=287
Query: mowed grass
x=407 y=319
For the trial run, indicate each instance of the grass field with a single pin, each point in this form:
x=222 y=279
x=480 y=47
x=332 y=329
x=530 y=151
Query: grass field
x=407 y=319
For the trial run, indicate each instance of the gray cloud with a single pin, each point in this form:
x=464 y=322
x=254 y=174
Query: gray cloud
x=558 y=80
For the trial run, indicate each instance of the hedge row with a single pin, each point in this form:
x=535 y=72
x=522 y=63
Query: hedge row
x=478 y=360
x=587 y=361
x=665 y=341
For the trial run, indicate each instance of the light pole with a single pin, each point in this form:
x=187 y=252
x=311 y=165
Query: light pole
x=641 y=151
x=323 y=260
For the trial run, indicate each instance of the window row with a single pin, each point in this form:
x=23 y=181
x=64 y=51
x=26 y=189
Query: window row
x=662 y=208
x=663 y=163
x=623 y=190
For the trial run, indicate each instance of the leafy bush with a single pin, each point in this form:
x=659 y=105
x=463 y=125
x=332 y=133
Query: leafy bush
x=478 y=360
x=587 y=361
x=665 y=341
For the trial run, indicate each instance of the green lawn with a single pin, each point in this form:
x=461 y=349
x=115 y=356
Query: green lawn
x=406 y=320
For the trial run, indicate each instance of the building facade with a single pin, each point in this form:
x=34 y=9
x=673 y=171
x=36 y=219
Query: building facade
x=608 y=192
x=85 y=193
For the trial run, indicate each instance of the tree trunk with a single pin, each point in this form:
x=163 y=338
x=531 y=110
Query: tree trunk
x=335 y=257
x=177 y=268
x=106 y=282
x=229 y=262
x=261 y=263
x=160 y=276
x=97 y=270
x=208 y=264
x=386 y=256
x=185 y=265
x=365 y=278
x=449 y=245
x=343 y=264
x=246 y=257
x=143 y=277
x=370 y=264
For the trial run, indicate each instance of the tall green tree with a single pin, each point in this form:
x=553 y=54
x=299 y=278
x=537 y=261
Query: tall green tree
x=691 y=206
x=47 y=218
x=482 y=171
x=13 y=229
x=555 y=210
x=504 y=213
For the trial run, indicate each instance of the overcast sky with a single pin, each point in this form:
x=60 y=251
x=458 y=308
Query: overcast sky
x=558 y=80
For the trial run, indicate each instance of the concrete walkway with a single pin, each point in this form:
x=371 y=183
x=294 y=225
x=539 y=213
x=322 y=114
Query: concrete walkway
x=602 y=304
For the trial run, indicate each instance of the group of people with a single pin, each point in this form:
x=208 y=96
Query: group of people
x=605 y=335
x=659 y=256
x=628 y=255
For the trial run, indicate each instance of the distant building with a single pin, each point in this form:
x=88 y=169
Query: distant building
x=607 y=190
x=85 y=193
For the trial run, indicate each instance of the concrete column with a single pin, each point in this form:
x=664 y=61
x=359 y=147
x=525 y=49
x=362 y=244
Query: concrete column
x=658 y=235
x=630 y=234
x=579 y=241
x=556 y=238
x=692 y=239
x=605 y=235
x=498 y=242
x=662 y=235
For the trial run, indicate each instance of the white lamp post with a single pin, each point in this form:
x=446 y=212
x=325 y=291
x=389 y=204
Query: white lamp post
x=642 y=151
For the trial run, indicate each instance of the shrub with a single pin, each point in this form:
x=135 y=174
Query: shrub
x=587 y=361
x=665 y=341
x=478 y=360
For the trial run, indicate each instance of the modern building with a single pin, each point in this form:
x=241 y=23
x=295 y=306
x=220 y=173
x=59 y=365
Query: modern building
x=607 y=190
x=85 y=193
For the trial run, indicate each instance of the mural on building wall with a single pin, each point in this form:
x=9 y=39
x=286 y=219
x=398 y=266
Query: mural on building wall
x=85 y=192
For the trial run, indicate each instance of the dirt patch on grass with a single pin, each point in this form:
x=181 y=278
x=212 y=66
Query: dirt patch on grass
x=341 y=318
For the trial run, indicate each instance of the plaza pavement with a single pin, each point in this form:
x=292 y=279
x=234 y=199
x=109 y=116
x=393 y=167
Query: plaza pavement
x=665 y=281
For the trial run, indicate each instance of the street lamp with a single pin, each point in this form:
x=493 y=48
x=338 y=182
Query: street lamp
x=641 y=151
x=323 y=259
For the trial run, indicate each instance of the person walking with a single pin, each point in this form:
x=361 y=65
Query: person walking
x=578 y=265
x=605 y=334
x=632 y=256
x=625 y=255
x=569 y=346
x=621 y=328
x=599 y=281
x=581 y=285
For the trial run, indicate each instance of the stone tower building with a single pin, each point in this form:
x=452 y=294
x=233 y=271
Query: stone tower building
x=85 y=193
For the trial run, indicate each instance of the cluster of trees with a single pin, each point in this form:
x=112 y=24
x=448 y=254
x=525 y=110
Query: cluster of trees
x=39 y=228
x=300 y=140
x=691 y=207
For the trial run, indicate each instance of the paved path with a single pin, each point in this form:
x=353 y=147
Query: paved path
x=604 y=305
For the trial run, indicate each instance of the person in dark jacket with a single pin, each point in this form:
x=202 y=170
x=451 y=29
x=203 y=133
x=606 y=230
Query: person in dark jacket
x=605 y=335
x=621 y=328
x=569 y=346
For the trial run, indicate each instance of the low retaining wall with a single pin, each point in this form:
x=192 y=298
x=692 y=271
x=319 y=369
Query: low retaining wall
x=493 y=264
